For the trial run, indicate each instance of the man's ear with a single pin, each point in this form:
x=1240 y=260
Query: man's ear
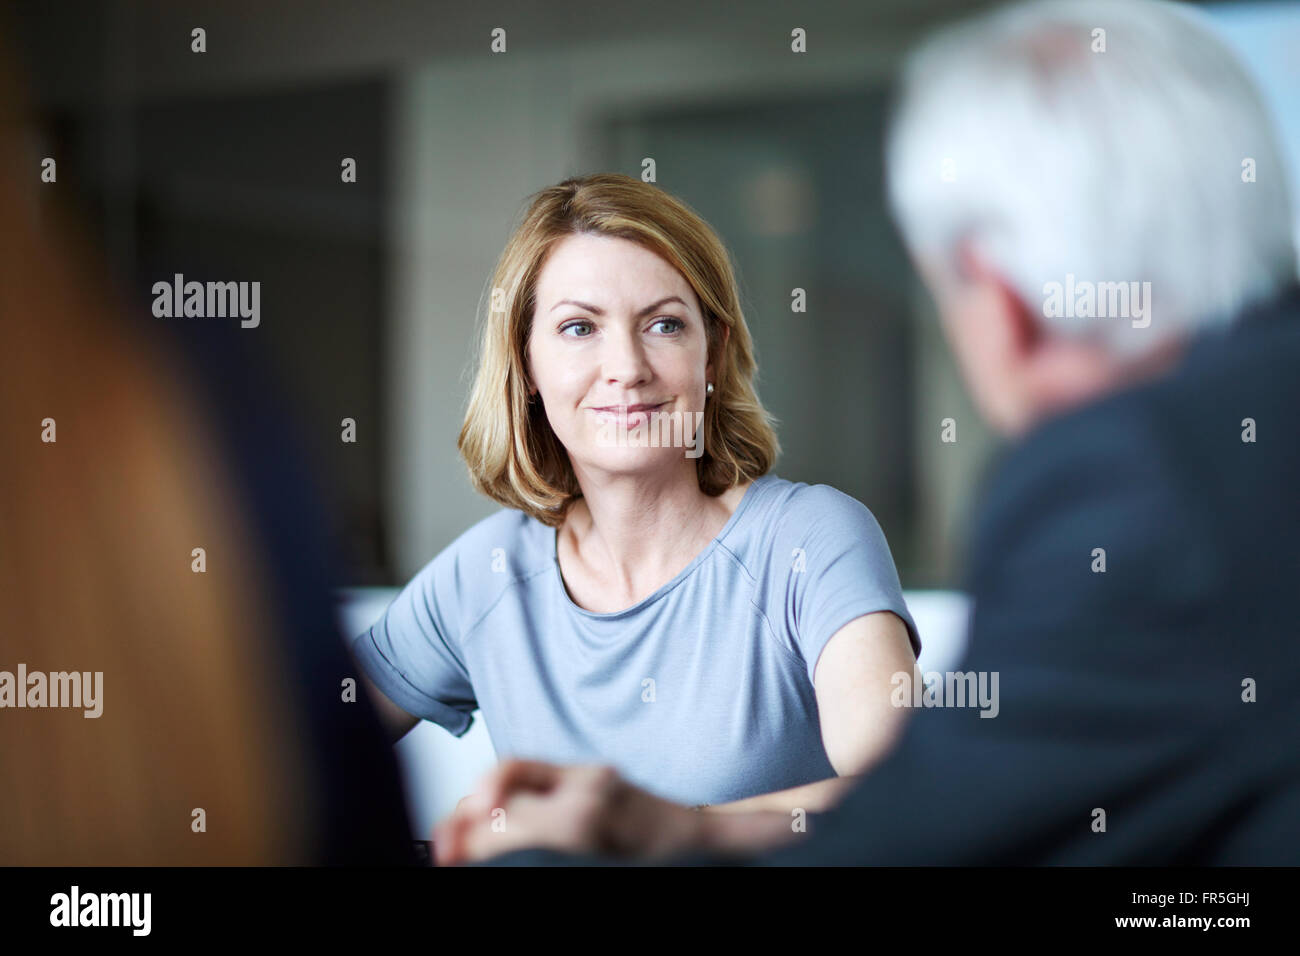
x=1021 y=329
x=1026 y=329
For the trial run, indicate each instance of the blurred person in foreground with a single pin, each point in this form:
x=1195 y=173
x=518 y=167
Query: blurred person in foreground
x=216 y=731
x=1132 y=566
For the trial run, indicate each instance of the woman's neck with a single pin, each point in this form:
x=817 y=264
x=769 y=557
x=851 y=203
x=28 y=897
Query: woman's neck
x=636 y=532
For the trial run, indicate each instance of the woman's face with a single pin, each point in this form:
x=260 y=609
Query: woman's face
x=616 y=329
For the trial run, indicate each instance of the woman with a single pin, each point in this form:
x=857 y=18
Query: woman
x=650 y=595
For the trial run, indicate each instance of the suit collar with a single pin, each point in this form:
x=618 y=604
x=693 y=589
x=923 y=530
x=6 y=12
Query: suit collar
x=1263 y=315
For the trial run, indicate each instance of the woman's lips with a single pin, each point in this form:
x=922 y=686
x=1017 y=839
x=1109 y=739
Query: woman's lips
x=630 y=415
x=631 y=408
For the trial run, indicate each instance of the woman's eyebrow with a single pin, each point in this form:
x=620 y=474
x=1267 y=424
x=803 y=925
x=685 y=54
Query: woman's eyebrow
x=598 y=311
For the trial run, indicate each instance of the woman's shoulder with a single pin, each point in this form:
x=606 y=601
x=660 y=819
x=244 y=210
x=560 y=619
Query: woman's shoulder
x=789 y=519
x=502 y=546
x=796 y=505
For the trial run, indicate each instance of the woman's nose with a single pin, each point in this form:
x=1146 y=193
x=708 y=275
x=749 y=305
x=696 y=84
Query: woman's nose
x=624 y=359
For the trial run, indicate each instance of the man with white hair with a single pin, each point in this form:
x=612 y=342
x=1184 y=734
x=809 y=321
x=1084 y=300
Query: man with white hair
x=1094 y=197
x=1100 y=148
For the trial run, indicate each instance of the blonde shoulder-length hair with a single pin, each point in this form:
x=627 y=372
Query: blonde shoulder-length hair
x=514 y=456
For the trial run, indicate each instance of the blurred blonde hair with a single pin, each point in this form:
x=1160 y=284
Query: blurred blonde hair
x=96 y=533
x=514 y=456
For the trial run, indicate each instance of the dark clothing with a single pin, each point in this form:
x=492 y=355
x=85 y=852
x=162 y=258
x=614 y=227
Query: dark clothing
x=1119 y=690
x=353 y=771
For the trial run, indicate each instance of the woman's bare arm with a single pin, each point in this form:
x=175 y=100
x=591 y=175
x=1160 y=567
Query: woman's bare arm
x=853 y=679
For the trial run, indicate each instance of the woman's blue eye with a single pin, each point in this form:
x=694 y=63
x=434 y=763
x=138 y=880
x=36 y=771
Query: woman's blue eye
x=677 y=326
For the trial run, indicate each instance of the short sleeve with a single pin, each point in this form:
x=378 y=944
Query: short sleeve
x=411 y=652
x=836 y=567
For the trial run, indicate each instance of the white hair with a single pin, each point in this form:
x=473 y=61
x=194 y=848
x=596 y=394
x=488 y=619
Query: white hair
x=1118 y=156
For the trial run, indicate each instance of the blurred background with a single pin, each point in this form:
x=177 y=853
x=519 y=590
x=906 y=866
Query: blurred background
x=225 y=165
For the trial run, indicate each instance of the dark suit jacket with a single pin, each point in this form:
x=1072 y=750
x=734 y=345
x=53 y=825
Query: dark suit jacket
x=1121 y=690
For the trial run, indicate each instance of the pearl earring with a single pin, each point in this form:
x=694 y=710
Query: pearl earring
x=710 y=388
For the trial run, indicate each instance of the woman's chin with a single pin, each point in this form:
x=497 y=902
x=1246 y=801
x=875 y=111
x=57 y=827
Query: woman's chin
x=631 y=459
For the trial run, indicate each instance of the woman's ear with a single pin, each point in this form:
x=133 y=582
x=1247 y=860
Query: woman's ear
x=726 y=337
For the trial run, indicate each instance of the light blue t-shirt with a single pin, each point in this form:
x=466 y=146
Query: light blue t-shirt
x=701 y=693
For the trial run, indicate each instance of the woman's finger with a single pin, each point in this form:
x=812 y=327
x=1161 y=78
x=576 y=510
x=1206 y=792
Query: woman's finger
x=514 y=775
x=449 y=839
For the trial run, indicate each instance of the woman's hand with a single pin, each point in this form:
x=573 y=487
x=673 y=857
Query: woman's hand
x=587 y=809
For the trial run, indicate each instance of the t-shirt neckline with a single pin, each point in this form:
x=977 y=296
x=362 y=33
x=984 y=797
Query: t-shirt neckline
x=682 y=575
